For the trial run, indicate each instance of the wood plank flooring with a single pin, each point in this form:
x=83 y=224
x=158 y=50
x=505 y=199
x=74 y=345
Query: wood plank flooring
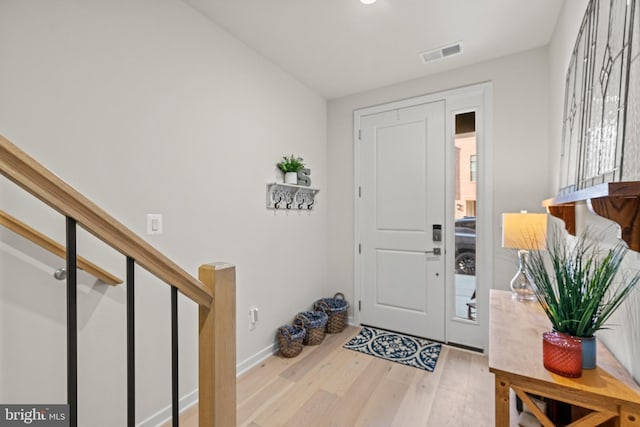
x=328 y=385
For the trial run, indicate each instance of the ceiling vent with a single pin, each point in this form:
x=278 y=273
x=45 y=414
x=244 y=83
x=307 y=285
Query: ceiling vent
x=441 y=52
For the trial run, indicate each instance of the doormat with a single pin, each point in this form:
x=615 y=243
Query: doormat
x=410 y=351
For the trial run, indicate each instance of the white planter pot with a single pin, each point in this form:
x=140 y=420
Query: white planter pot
x=291 y=178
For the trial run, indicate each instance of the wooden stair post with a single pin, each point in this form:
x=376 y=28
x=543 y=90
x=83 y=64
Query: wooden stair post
x=217 y=348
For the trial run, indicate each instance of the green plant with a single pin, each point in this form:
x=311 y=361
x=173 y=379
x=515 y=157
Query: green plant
x=291 y=164
x=579 y=294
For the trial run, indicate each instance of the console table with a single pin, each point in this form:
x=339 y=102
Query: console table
x=515 y=358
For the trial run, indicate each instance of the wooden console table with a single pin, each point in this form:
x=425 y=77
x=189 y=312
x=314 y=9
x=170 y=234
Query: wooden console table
x=515 y=358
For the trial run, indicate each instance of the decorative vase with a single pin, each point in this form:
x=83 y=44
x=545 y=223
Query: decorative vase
x=291 y=178
x=588 y=352
x=562 y=354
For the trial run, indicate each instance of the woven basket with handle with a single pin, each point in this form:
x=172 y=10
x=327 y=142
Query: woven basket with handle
x=290 y=340
x=336 y=308
x=314 y=323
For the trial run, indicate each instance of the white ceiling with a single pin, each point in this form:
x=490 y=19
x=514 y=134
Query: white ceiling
x=340 y=47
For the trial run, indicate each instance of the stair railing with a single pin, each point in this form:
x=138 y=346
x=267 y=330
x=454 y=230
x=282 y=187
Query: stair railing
x=55 y=248
x=214 y=293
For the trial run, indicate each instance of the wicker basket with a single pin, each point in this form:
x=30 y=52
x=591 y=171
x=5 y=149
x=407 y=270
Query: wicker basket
x=336 y=308
x=314 y=323
x=290 y=340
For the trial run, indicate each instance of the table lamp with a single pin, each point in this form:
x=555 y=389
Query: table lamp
x=523 y=231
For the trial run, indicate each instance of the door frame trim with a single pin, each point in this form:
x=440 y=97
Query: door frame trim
x=485 y=226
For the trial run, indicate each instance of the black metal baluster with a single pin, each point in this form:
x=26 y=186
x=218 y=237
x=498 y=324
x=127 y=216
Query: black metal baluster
x=131 y=353
x=72 y=324
x=174 y=357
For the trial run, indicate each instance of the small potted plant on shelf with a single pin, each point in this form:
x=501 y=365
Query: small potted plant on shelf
x=291 y=166
x=574 y=284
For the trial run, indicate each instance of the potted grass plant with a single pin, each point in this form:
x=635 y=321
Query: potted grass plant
x=291 y=165
x=574 y=283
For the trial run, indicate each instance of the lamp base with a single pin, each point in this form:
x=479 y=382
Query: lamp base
x=521 y=287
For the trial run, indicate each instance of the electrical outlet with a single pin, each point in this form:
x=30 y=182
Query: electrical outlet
x=253 y=318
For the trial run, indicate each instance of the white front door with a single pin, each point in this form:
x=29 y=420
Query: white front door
x=402 y=202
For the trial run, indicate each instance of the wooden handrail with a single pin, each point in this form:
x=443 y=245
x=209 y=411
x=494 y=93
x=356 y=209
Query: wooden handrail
x=55 y=248
x=34 y=178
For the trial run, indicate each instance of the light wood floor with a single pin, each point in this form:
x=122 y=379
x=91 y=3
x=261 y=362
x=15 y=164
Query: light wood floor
x=327 y=385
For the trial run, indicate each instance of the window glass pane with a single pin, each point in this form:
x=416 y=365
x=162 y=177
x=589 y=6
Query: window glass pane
x=465 y=216
x=472 y=167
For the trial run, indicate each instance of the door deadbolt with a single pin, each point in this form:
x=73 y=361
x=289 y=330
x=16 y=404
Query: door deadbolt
x=437 y=233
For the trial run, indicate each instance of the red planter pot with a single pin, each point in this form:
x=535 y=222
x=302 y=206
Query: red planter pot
x=562 y=354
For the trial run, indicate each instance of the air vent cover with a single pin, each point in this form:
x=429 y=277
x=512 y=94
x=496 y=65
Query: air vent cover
x=441 y=52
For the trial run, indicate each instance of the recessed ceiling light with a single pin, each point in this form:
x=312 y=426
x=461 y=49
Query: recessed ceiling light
x=367 y=1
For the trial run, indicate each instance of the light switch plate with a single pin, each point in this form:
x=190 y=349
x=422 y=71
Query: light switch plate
x=154 y=223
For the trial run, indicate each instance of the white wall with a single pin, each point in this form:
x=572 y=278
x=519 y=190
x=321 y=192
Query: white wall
x=520 y=150
x=147 y=107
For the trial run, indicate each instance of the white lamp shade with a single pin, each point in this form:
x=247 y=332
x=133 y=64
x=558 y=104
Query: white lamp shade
x=524 y=230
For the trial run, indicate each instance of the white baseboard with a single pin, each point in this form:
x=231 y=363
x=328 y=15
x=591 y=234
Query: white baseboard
x=256 y=359
x=164 y=415
x=191 y=399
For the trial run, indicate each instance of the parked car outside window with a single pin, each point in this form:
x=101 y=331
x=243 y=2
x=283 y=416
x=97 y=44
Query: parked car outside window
x=466 y=245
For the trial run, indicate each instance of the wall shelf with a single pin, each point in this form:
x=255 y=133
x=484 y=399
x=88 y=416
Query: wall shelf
x=617 y=201
x=289 y=196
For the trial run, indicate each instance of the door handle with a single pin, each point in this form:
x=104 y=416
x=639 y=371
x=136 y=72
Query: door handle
x=435 y=251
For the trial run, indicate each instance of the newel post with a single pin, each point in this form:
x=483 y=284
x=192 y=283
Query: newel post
x=217 y=348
